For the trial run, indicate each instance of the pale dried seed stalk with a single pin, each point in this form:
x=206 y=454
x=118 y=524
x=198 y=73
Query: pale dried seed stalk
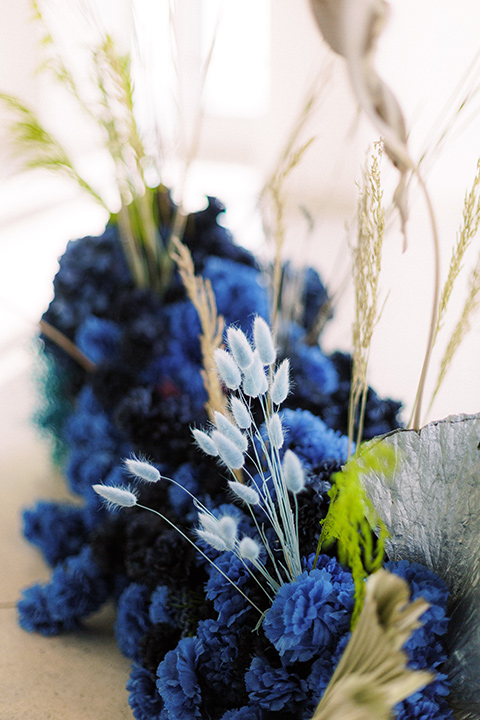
x=63 y=342
x=275 y=189
x=468 y=230
x=462 y=327
x=372 y=675
x=351 y=28
x=201 y=295
x=366 y=266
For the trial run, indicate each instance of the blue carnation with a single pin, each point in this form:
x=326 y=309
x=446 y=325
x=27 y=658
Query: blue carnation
x=248 y=712
x=227 y=601
x=178 y=682
x=418 y=708
x=239 y=291
x=86 y=468
x=311 y=439
x=34 y=614
x=217 y=662
x=99 y=339
x=77 y=589
x=144 y=700
x=176 y=365
x=274 y=688
x=57 y=529
x=426 y=584
x=312 y=371
x=132 y=620
x=308 y=616
x=159 y=611
x=181 y=502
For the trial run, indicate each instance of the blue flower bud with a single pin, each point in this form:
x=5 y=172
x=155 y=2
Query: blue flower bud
x=244 y=492
x=231 y=431
x=264 y=341
x=249 y=549
x=239 y=347
x=142 y=470
x=204 y=442
x=293 y=472
x=241 y=413
x=255 y=381
x=274 y=430
x=116 y=496
x=228 y=451
x=227 y=369
x=281 y=383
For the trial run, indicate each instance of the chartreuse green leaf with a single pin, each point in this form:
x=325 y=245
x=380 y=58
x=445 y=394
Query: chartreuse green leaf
x=352 y=521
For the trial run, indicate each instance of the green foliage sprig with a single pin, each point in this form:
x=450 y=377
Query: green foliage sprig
x=39 y=148
x=111 y=108
x=352 y=521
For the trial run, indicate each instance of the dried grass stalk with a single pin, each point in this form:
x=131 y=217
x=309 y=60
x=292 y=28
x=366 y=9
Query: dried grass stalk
x=468 y=230
x=372 y=675
x=366 y=261
x=462 y=327
x=66 y=345
x=201 y=294
x=274 y=190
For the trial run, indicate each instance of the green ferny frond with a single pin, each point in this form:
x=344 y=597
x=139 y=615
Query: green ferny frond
x=352 y=522
x=38 y=147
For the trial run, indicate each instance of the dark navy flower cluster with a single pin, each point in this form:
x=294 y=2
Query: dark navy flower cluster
x=191 y=635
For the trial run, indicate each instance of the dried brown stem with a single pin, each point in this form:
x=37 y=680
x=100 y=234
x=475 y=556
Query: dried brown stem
x=66 y=345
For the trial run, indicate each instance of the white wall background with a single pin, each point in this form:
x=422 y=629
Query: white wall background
x=426 y=48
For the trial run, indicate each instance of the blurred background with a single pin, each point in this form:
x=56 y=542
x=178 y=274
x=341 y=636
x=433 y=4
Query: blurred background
x=267 y=60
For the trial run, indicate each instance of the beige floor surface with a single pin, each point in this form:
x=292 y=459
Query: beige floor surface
x=78 y=676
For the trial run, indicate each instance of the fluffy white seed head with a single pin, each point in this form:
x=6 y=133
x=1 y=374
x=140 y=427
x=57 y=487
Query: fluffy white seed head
x=227 y=529
x=116 y=496
x=241 y=413
x=249 y=549
x=248 y=494
x=204 y=442
x=274 y=430
x=142 y=470
x=208 y=522
x=228 y=452
x=293 y=472
x=212 y=539
x=240 y=347
x=227 y=369
x=255 y=381
x=231 y=431
x=281 y=383
x=264 y=344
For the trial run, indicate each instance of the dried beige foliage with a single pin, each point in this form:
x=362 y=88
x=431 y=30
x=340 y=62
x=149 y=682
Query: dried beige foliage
x=372 y=675
x=201 y=294
x=351 y=28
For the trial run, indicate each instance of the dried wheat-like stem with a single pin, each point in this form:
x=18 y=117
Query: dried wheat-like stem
x=415 y=421
x=201 y=294
x=66 y=345
x=366 y=268
x=274 y=189
x=277 y=191
x=468 y=230
x=462 y=327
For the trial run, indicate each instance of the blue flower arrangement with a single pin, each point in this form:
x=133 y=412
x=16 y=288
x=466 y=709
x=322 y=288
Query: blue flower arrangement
x=223 y=606
x=226 y=518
